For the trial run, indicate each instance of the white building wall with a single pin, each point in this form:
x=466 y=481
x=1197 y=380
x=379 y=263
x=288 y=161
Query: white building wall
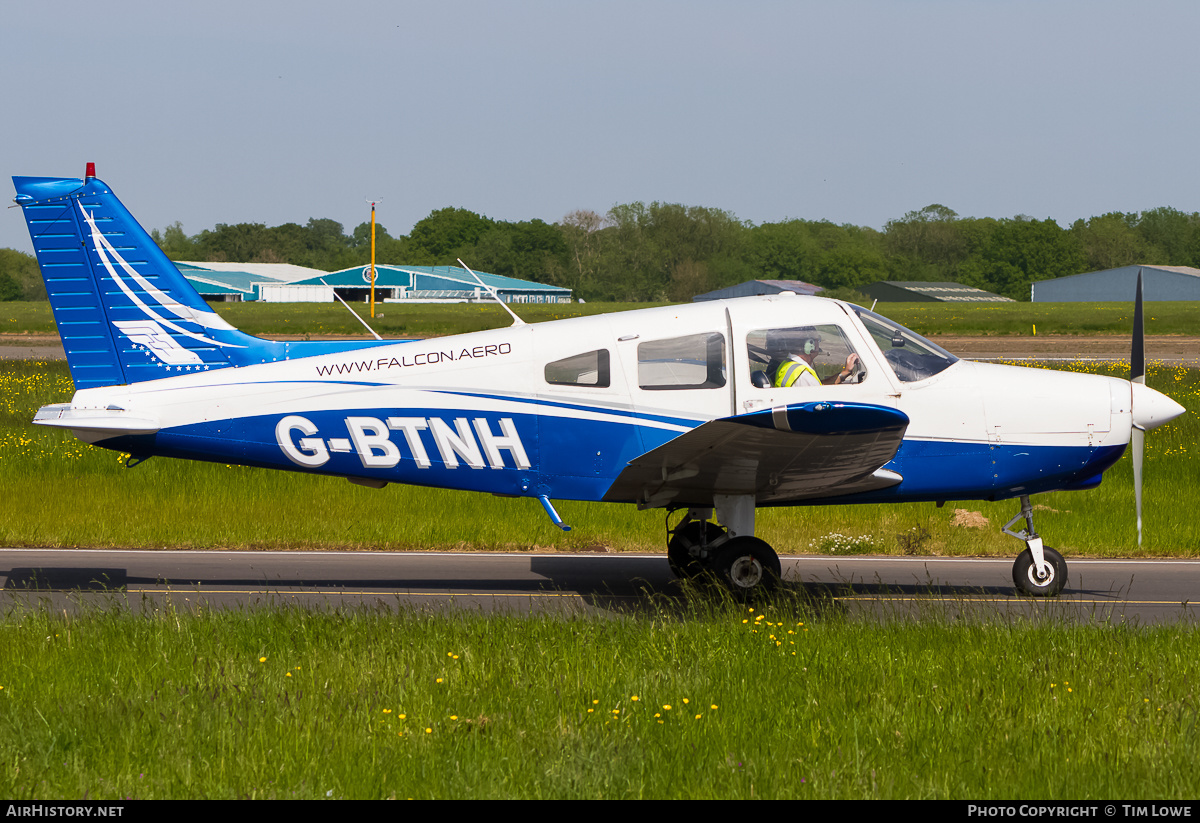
x=295 y=294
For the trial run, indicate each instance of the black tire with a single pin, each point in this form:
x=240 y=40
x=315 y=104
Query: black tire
x=1026 y=579
x=746 y=565
x=679 y=549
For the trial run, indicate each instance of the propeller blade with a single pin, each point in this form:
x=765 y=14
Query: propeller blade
x=1137 y=358
x=1137 y=374
x=1138 y=441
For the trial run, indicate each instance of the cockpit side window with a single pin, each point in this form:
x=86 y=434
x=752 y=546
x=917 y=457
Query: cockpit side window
x=910 y=355
x=803 y=356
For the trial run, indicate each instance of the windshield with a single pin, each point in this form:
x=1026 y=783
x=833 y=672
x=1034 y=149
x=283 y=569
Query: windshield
x=909 y=354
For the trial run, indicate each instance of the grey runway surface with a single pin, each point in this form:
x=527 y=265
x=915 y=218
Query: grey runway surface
x=1140 y=591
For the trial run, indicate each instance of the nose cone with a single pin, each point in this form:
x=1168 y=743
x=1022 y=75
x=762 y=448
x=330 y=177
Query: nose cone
x=1153 y=408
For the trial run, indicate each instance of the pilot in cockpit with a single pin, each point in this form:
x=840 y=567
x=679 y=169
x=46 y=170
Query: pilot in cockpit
x=792 y=352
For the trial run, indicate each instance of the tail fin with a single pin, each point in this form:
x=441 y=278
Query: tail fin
x=124 y=312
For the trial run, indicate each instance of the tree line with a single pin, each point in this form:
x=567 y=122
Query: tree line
x=668 y=251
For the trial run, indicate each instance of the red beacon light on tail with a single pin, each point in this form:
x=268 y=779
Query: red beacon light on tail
x=91 y=171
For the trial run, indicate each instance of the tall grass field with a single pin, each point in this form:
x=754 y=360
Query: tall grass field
x=707 y=701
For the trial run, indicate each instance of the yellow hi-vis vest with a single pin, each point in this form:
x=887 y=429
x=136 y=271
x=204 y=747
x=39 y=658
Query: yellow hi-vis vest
x=789 y=372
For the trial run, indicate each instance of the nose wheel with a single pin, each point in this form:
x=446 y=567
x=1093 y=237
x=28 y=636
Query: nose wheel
x=1045 y=583
x=1039 y=571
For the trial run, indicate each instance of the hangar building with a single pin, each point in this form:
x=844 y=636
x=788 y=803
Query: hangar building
x=754 y=288
x=1118 y=285
x=238 y=282
x=899 y=291
x=285 y=283
x=425 y=284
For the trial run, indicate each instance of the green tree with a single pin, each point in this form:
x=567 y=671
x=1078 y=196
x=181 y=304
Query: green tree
x=1173 y=235
x=582 y=234
x=10 y=289
x=1022 y=250
x=388 y=249
x=529 y=250
x=650 y=248
x=237 y=243
x=783 y=251
x=926 y=245
x=850 y=265
x=20 y=277
x=1111 y=241
x=446 y=233
x=285 y=243
x=174 y=242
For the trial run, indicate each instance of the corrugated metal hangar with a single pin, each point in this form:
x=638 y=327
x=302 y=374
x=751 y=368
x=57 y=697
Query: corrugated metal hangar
x=285 y=283
x=899 y=291
x=754 y=288
x=238 y=282
x=430 y=284
x=1119 y=285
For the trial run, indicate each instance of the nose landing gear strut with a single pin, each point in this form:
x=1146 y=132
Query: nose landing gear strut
x=1039 y=571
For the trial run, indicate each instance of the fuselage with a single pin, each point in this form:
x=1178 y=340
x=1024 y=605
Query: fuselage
x=560 y=408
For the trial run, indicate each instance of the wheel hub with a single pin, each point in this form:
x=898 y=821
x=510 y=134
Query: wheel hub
x=746 y=572
x=1041 y=580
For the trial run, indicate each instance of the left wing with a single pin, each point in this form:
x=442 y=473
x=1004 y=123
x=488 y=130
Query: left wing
x=788 y=453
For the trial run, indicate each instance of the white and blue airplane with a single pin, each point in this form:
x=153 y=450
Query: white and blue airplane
x=713 y=409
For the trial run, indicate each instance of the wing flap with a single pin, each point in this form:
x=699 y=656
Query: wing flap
x=789 y=453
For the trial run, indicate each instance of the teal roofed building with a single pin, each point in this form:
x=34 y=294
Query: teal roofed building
x=285 y=283
x=428 y=284
x=239 y=282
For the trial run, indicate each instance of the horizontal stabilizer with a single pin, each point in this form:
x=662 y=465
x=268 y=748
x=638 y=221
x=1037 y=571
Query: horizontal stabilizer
x=785 y=454
x=94 y=425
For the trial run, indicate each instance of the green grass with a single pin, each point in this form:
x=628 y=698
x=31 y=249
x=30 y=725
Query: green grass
x=714 y=701
x=430 y=320
x=60 y=492
x=391 y=320
x=1049 y=318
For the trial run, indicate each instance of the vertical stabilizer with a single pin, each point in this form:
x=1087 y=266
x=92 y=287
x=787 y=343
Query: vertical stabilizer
x=124 y=312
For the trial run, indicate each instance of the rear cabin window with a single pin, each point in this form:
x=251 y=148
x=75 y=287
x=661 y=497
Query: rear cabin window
x=696 y=361
x=587 y=369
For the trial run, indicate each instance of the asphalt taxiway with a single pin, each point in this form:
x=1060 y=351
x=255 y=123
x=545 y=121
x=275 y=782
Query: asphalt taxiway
x=1141 y=591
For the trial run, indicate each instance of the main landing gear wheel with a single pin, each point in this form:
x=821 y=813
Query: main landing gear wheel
x=747 y=565
x=1025 y=574
x=687 y=538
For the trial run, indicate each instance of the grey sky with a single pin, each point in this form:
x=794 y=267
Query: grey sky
x=855 y=112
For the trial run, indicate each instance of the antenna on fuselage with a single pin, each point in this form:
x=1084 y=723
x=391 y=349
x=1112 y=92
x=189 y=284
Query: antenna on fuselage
x=352 y=311
x=516 y=320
